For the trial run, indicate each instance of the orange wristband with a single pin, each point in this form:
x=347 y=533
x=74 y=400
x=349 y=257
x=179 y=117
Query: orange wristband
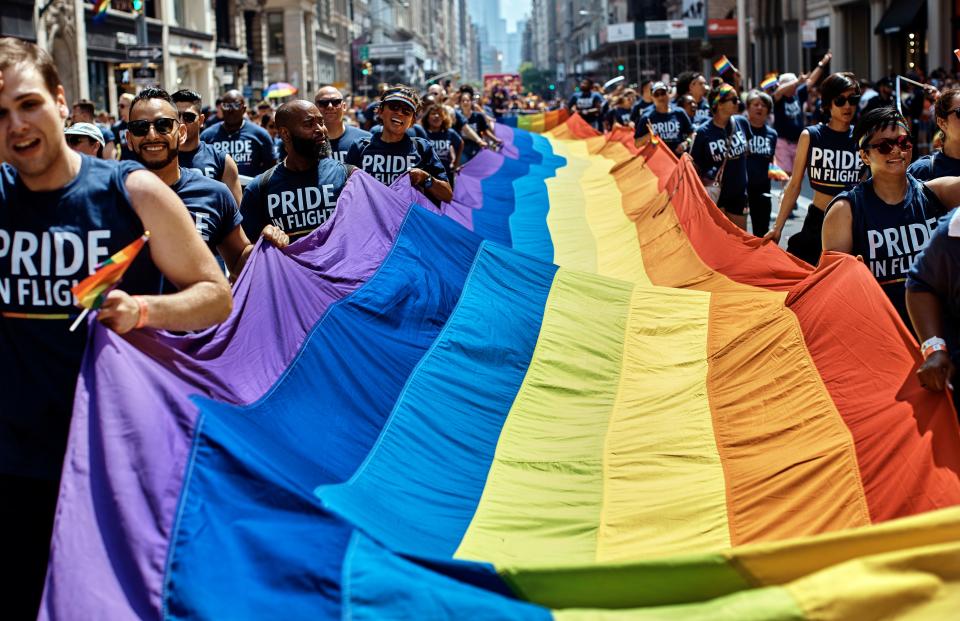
x=142 y=318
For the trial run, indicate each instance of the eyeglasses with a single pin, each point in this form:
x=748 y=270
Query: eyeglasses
x=842 y=101
x=885 y=146
x=231 y=106
x=163 y=125
x=399 y=108
x=328 y=103
x=188 y=117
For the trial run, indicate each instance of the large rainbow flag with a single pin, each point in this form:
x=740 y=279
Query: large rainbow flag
x=576 y=392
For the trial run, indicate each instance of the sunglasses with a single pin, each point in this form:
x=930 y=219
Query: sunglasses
x=328 y=103
x=955 y=113
x=399 y=108
x=188 y=117
x=729 y=99
x=885 y=146
x=842 y=101
x=163 y=125
x=74 y=140
x=231 y=106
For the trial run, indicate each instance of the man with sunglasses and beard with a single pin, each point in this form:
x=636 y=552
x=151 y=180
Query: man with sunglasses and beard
x=889 y=218
x=154 y=135
x=390 y=153
x=300 y=193
x=197 y=154
x=332 y=106
x=248 y=143
x=61 y=214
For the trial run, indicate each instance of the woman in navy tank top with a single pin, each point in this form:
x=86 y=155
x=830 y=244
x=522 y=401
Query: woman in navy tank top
x=827 y=154
x=889 y=218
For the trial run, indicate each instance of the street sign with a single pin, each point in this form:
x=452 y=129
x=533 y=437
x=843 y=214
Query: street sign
x=144 y=53
x=126 y=38
x=808 y=30
x=144 y=73
x=364 y=52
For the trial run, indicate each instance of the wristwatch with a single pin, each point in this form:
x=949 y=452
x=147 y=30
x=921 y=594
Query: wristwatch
x=428 y=182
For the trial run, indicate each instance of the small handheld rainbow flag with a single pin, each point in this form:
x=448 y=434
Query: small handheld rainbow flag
x=769 y=81
x=100 y=10
x=92 y=290
x=722 y=65
x=776 y=173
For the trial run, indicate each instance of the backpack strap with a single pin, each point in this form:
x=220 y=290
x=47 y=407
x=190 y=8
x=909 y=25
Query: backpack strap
x=262 y=186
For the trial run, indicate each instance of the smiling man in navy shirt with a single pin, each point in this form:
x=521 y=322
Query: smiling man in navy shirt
x=155 y=136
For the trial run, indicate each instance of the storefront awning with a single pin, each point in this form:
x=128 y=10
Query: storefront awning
x=228 y=56
x=898 y=16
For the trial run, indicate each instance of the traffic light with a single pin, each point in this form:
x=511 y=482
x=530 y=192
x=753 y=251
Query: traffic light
x=138 y=6
x=621 y=65
x=552 y=87
x=366 y=68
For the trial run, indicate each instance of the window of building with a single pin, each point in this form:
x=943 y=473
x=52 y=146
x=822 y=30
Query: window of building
x=275 y=34
x=325 y=17
x=224 y=24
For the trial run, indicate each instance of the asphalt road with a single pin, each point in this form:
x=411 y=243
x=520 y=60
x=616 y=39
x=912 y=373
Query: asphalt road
x=794 y=224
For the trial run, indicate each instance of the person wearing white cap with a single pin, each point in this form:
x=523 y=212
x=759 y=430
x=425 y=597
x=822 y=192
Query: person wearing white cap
x=788 y=102
x=85 y=138
x=672 y=125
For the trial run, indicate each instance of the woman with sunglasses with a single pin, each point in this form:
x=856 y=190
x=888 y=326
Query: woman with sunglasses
x=446 y=142
x=719 y=153
x=889 y=218
x=390 y=153
x=827 y=154
x=946 y=161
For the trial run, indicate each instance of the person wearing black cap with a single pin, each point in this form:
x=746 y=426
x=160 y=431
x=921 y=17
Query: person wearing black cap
x=670 y=124
x=390 y=153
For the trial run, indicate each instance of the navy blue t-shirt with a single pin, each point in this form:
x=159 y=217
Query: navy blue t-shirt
x=833 y=162
x=120 y=133
x=295 y=202
x=935 y=166
x=206 y=159
x=788 y=118
x=639 y=108
x=339 y=147
x=761 y=146
x=478 y=123
x=211 y=204
x=618 y=115
x=388 y=160
x=702 y=114
x=446 y=143
x=709 y=147
x=673 y=127
x=108 y=136
x=581 y=102
x=889 y=237
x=250 y=146
x=49 y=241
x=936 y=270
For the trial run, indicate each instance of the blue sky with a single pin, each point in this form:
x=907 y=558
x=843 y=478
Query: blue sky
x=513 y=10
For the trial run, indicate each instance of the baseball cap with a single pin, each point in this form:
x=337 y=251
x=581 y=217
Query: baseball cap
x=86 y=129
x=402 y=98
x=658 y=86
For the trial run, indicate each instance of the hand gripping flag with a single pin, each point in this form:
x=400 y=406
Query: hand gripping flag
x=92 y=290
